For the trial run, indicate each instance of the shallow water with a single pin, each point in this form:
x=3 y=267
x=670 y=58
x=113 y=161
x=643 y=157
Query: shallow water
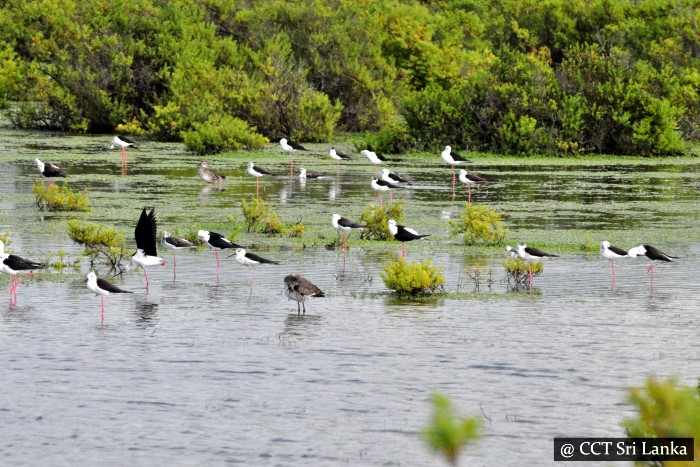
x=196 y=372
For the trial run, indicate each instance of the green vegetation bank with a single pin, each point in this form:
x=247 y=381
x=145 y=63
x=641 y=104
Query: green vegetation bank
x=513 y=76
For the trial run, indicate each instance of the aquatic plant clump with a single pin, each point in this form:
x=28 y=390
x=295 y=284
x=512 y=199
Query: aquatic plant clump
x=479 y=224
x=60 y=198
x=448 y=433
x=99 y=241
x=412 y=278
x=376 y=219
x=517 y=270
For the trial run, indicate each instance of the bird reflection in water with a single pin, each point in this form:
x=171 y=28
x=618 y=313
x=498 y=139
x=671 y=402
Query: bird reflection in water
x=210 y=190
x=146 y=313
x=297 y=327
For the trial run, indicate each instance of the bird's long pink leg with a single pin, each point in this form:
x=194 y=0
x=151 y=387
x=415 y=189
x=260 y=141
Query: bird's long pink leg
x=291 y=162
x=469 y=188
x=146 y=274
x=49 y=182
x=613 y=272
x=19 y=281
x=381 y=200
x=403 y=249
x=345 y=245
x=103 y=310
x=651 y=268
x=257 y=187
x=218 y=265
x=391 y=197
x=174 y=265
x=251 y=278
x=529 y=269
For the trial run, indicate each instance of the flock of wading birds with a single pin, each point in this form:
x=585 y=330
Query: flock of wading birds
x=296 y=287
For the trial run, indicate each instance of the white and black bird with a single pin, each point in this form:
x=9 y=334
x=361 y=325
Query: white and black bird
x=403 y=234
x=381 y=186
x=396 y=179
x=530 y=254
x=374 y=158
x=257 y=172
x=251 y=260
x=612 y=253
x=654 y=254
x=49 y=170
x=453 y=159
x=303 y=174
x=146 y=252
x=290 y=147
x=101 y=287
x=344 y=225
x=217 y=242
x=339 y=155
x=123 y=142
x=208 y=175
x=171 y=242
x=469 y=180
x=300 y=289
x=13 y=265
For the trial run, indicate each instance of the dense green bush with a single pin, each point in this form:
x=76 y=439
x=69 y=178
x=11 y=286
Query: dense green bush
x=59 y=198
x=376 y=219
x=222 y=134
x=412 y=278
x=479 y=224
x=518 y=76
x=99 y=241
x=518 y=270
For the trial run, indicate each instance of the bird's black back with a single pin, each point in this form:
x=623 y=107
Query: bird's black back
x=109 y=287
x=145 y=232
x=17 y=263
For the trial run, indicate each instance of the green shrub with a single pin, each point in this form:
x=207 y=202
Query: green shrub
x=666 y=410
x=448 y=433
x=376 y=218
x=297 y=230
x=222 y=134
x=316 y=117
x=393 y=138
x=412 y=278
x=59 y=198
x=255 y=212
x=99 y=242
x=479 y=224
x=518 y=271
x=273 y=226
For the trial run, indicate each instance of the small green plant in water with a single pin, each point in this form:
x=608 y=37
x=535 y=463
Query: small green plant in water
x=255 y=212
x=376 y=218
x=666 y=410
x=297 y=230
x=412 y=278
x=59 y=198
x=588 y=246
x=479 y=224
x=64 y=262
x=273 y=226
x=448 y=433
x=99 y=241
x=517 y=271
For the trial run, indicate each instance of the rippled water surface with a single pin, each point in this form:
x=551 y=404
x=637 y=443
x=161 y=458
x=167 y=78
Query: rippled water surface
x=200 y=372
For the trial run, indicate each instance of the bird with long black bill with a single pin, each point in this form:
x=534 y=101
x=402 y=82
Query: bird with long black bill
x=145 y=235
x=470 y=179
x=344 y=225
x=171 y=242
x=654 y=254
x=339 y=155
x=49 y=170
x=453 y=159
x=530 y=254
x=101 y=287
x=13 y=265
x=612 y=253
x=257 y=172
x=251 y=260
x=399 y=180
x=381 y=186
x=123 y=142
x=300 y=289
x=403 y=234
x=291 y=146
x=217 y=242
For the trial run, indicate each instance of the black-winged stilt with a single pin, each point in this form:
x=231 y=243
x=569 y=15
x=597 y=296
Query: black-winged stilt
x=251 y=260
x=469 y=180
x=374 y=158
x=453 y=159
x=171 y=242
x=395 y=179
x=300 y=289
x=612 y=253
x=382 y=186
x=530 y=254
x=101 y=287
x=257 y=172
x=403 y=234
x=123 y=142
x=49 y=170
x=291 y=146
x=344 y=225
x=339 y=155
x=145 y=235
x=653 y=254
x=217 y=242
x=13 y=265
x=208 y=175
x=304 y=174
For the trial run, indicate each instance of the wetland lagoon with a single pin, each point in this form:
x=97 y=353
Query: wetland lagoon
x=200 y=372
